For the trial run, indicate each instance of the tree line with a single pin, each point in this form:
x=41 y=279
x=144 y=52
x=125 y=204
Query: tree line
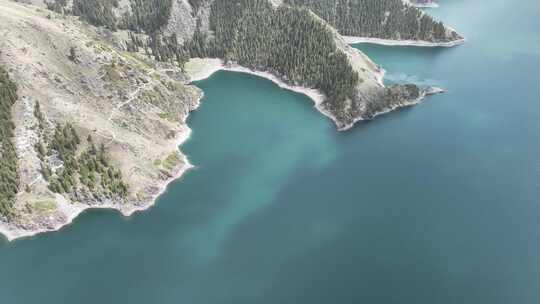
x=9 y=172
x=88 y=173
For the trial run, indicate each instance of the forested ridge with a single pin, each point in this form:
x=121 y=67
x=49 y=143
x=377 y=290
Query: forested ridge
x=147 y=15
x=9 y=174
x=96 y=12
x=143 y=15
x=385 y=19
x=288 y=41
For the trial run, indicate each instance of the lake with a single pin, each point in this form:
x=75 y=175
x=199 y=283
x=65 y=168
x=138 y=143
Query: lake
x=438 y=203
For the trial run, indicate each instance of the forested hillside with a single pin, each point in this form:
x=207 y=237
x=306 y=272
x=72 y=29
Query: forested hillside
x=142 y=15
x=263 y=26
x=96 y=12
x=88 y=175
x=288 y=41
x=386 y=19
x=9 y=175
x=147 y=15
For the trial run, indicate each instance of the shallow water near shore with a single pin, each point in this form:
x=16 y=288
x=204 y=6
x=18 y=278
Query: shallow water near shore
x=438 y=203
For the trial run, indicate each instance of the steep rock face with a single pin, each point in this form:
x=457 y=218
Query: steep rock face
x=182 y=22
x=186 y=18
x=122 y=101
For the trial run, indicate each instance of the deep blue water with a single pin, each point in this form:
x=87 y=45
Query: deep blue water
x=434 y=204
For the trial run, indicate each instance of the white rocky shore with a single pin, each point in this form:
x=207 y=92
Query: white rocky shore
x=202 y=68
x=422 y=4
x=388 y=42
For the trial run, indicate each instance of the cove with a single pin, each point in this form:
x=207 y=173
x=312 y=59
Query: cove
x=433 y=204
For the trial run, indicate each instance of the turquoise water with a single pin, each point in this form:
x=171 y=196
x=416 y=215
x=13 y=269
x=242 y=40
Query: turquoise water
x=433 y=204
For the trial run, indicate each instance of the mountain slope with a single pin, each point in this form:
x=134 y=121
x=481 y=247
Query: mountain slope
x=78 y=93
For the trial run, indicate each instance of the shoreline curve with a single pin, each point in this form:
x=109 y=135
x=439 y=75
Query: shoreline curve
x=389 y=42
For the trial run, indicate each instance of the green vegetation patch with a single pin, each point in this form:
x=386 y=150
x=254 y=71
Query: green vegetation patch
x=9 y=172
x=111 y=73
x=164 y=115
x=82 y=172
x=43 y=206
x=171 y=161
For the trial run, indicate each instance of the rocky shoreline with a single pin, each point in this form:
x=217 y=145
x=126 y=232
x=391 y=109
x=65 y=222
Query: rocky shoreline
x=388 y=42
x=422 y=4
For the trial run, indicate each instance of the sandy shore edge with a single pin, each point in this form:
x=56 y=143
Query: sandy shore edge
x=203 y=68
